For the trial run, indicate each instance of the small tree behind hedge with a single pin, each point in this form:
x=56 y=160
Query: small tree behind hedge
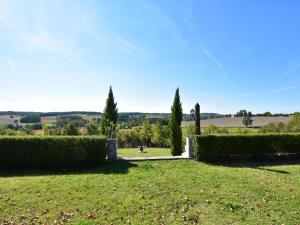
x=92 y=128
x=247 y=120
x=175 y=125
x=31 y=118
x=70 y=129
x=146 y=132
x=294 y=124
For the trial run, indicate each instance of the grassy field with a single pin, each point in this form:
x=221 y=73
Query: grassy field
x=8 y=120
x=232 y=122
x=220 y=122
x=148 y=152
x=154 y=192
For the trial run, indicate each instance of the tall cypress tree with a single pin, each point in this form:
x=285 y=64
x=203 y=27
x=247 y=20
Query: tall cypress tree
x=175 y=125
x=146 y=132
x=197 y=119
x=110 y=115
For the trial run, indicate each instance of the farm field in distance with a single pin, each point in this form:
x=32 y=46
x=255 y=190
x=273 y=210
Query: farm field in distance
x=220 y=122
x=148 y=152
x=154 y=192
x=231 y=122
x=8 y=119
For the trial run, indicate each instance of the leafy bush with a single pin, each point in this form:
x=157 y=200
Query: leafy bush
x=92 y=128
x=129 y=138
x=2 y=130
x=293 y=126
x=188 y=130
x=46 y=131
x=31 y=118
x=70 y=129
x=36 y=126
x=7 y=131
x=160 y=134
x=273 y=128
x=62 y=121
x=51 y=152
x=240 y=130
x=257 y=146
x=213 y=129
x=24 y=131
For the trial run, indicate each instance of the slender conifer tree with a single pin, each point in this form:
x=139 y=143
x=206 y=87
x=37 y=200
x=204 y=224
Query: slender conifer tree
x=110 y=115
x=175 y=125
x=197 y=119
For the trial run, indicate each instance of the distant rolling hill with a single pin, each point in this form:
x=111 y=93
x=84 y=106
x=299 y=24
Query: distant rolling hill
x=9 y=117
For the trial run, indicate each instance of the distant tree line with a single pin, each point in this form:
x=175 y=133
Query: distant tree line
x=292 y=126
x=241 y=113
x=148 y=134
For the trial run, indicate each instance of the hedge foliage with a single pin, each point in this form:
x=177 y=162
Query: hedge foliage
x=51 y=152
x=245 y=146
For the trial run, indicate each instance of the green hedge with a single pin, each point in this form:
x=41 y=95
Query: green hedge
x=256 y=146
x=51 y=152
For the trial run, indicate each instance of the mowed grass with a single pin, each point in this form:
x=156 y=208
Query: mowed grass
x=148 y=152
x=153 y=192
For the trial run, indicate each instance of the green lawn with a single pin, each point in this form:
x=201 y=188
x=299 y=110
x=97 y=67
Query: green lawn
x=134 y=152
x=154 y=192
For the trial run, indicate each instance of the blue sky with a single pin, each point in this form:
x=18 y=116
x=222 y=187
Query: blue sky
x=227 y=55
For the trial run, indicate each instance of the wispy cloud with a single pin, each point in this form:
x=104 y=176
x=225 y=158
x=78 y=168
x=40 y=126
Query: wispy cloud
x=83 y=23
x=65 y=15
x=216 y=61
x=43 y=41
x=166 y=22
x=39 y=38
x=293 y=66
x=133 y=49
x=187 y=21
x=79 y=20
x=11 y=64
x=286 y=89
x=271 y=92
x=246 y=94
x=187 y=16
x=2 y=10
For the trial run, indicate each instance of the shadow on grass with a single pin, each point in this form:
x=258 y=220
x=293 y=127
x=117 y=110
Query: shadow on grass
x=115 y=167
x=272 y=170
x=260 y=165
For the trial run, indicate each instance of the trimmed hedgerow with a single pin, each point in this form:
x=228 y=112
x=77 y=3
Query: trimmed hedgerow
x=256 y=146
x=51 y=152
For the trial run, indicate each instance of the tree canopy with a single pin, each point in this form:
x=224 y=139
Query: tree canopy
x=247 y=120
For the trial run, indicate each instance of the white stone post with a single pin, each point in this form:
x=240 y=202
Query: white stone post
x=188 y=148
